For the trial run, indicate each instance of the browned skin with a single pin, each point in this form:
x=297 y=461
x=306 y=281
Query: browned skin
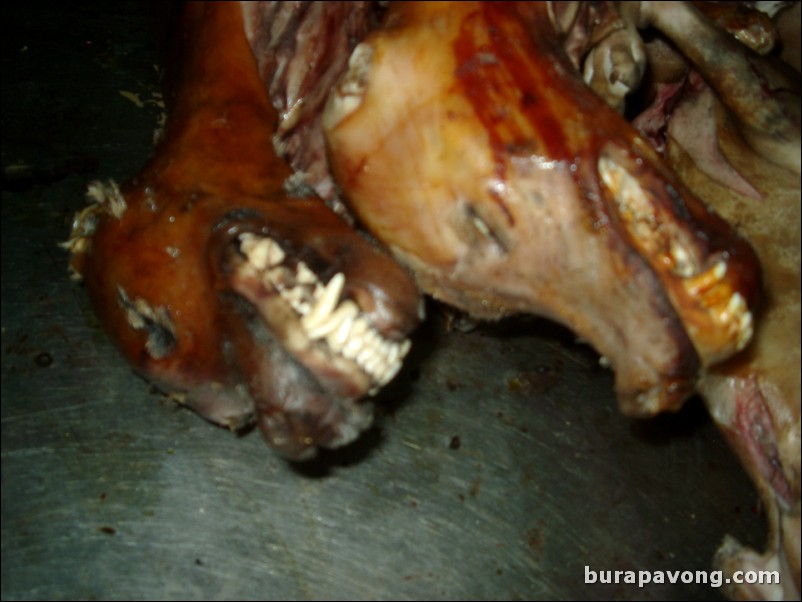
x=211 y=333
x=482 y=173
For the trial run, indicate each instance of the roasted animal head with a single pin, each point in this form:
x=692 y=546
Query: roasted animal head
x=507 y=186
x=224 y=290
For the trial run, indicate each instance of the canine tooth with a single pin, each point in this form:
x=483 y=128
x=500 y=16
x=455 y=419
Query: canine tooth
x=347 y=310
x=325 y=304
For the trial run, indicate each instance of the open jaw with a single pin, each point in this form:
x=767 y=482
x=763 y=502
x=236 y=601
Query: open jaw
x=322 y=324
x=278 y=315
x=312 y=351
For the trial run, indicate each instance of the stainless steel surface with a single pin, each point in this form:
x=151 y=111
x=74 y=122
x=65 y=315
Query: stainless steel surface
x=500 y=470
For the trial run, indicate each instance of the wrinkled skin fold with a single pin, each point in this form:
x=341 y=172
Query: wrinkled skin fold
x=216 y=285
x=507 y=186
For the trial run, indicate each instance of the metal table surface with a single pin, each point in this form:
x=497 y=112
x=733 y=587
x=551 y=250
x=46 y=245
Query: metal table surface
x=499 y=469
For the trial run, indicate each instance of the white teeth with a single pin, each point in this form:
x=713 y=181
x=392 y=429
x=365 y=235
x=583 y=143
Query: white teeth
x=364 y=355
x=393 y=353
x=683 y=265
x=325 y=304
x=359 y=329
x=261 y=252
x=322 y=315
x=352 y=348
x=339 y=337
x=706 y=280
x=296 y=298
x=373 y=365
x=347 y=310
x=305 y=275
x=720 y=269
x=405 y=346
x=390 y=373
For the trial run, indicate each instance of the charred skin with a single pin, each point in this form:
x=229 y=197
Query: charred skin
x=507 y=186
x=219 y=287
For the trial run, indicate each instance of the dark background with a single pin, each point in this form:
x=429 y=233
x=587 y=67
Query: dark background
x=499 y=470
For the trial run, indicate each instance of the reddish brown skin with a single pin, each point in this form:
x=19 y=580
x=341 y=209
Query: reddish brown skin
x=214 y=175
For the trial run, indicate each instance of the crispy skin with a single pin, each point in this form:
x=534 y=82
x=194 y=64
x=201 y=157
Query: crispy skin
x=507 y=186
x=166 y=274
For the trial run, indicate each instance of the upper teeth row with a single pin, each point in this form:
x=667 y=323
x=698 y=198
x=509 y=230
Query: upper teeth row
x=710 y=288
x=728 y=308
x=324 y=317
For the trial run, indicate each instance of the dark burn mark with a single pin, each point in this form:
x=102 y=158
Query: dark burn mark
x=161 y=338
